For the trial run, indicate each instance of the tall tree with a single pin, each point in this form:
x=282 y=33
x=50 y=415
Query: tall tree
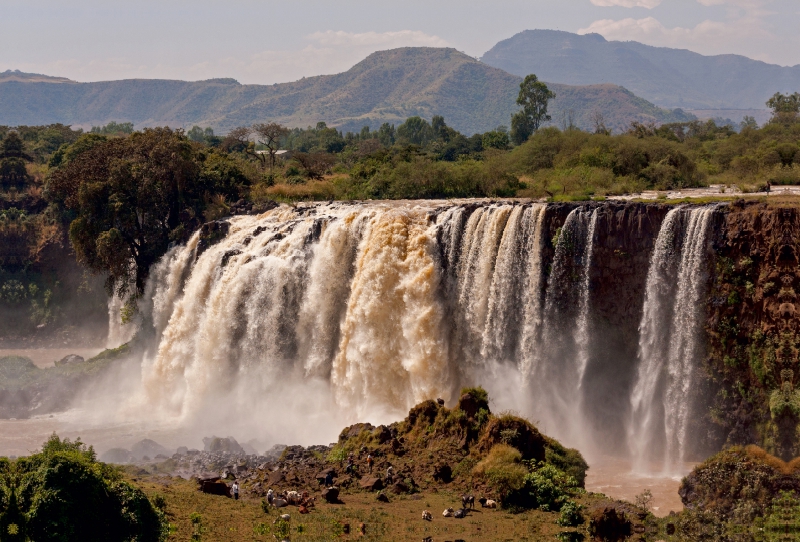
x=270 y=136
x=785 y=107
x=534 y=97
x=133 y=196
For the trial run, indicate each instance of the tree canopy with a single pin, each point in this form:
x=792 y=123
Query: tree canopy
x=64 y=494
x=130 y=197
x=534 y=97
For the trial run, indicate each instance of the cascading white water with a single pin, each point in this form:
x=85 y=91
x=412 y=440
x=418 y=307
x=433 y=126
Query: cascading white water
x=669 y=341
x=563 y=347
x=377 y=306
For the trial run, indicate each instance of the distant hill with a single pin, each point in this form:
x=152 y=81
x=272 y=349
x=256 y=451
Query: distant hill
x=387 y=86
x=667 y=77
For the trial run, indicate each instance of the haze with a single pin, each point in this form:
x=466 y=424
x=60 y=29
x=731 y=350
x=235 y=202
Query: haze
x=260 y=41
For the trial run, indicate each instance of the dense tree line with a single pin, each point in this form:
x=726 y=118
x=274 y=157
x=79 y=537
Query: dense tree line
x=123 y=196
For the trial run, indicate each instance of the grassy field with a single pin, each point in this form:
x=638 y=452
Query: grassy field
x=221 y=518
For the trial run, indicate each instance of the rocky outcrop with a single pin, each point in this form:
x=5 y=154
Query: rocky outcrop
x=753 y=327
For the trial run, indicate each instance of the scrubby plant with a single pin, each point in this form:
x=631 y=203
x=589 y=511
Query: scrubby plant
x=64 y=494
x=503 y=468
x=571 y=515
x=546 y=488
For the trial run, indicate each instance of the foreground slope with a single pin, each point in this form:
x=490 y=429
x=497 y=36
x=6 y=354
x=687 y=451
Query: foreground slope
x=664 y=76
x=387 y=86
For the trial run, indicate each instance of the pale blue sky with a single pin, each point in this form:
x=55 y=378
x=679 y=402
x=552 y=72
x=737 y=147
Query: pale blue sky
x=265 y=41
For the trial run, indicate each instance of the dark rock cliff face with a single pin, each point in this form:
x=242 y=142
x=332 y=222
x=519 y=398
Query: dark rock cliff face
x=752 y=328
x=623 y=242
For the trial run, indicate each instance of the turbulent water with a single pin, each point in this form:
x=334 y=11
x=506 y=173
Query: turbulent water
x=366 y=309
x=669 y=340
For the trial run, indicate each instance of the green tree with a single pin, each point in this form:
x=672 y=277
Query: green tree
x=386 y=134
x=534 y=97
x=13 y=159
x=270 y=135
x=785 y=107
x=495 y=139
x=132 y=196
x=63 y=494
x=415 y=131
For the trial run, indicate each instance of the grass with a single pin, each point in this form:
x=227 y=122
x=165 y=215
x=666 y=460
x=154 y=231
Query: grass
x=221 y=518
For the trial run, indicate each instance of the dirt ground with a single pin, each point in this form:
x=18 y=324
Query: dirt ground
x=222 y=518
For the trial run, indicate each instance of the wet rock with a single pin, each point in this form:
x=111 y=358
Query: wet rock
x=424 y=412
x=217 y=444
x=382 y=434
x=69 y=360
x=148 y=448
x=469 y=405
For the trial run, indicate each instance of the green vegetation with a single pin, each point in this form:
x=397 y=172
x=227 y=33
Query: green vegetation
x=124 y=198
x=63 y=493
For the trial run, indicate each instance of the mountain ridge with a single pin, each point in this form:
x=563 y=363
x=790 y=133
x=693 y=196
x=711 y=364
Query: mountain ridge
x=387 y=86
x=665 y=76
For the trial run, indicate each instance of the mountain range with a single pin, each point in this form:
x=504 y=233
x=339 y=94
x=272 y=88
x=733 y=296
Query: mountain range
x=387 y=86
x=666 y=77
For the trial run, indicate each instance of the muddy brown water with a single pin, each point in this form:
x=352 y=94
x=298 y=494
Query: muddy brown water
x=47 y=357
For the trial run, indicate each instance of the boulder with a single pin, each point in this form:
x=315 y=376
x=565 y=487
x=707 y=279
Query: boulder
x=469 y=405
x=442 y=473
x=371 y=483
x=381 y=497
x=425 y=412
x=70 y=359
x=148 y=448
x=608 y=523
x=331 y=494
x=276 y=478
x=400 y=487
x=182 y=450
x=382 y=434
x=117 y=455
x=224 y=445
x=355 y=430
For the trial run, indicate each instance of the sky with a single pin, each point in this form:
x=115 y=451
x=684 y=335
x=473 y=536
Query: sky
x=266 y=41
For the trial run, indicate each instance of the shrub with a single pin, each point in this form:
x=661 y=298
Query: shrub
x=65 y=494
x=546 y=488
x=503 y=468
x=571 y=515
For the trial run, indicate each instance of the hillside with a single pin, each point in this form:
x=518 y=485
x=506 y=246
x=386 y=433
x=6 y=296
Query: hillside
x=667 y=77
x=387 y=86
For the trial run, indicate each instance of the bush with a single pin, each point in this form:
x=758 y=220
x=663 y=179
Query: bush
x=503 y=468
x=64 y=494
x=546 y=488
x=571 y=515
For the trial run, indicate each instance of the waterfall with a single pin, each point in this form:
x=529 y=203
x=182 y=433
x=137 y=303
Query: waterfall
x=376 y=306
x=669 y=340
x=562 y=350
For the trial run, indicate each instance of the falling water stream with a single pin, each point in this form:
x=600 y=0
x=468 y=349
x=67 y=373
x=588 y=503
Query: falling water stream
x=669 y=341
x=306 y=318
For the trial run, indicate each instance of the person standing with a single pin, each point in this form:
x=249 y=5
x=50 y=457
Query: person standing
x=369 y=463
x=235 y=489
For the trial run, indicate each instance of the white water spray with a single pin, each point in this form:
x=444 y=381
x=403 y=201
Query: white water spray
x=669 y=341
